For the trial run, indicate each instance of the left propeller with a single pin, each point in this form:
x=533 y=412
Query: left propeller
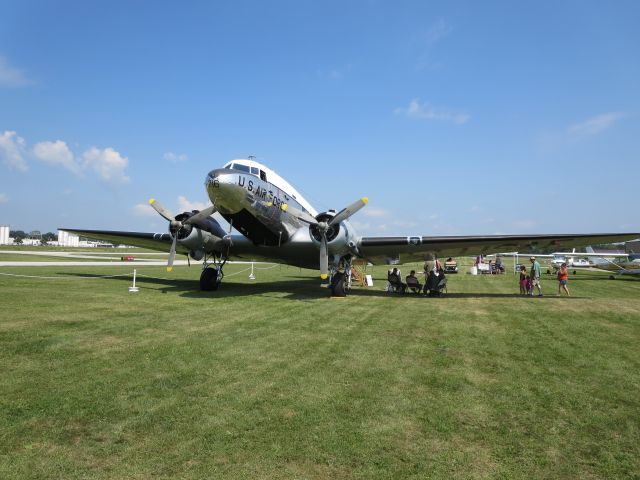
x=175 y=225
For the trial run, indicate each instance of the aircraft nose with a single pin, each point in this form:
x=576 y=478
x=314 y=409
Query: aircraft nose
x=215 y=175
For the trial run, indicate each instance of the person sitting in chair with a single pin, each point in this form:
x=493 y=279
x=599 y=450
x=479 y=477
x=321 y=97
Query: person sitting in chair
x=436 y=282
x=394 y=280
x=412 y=282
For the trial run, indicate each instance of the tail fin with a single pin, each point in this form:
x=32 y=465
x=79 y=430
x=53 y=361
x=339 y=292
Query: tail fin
x=594 y=260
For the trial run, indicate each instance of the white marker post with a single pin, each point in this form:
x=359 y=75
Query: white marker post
x=133 y=288
x=251 y=275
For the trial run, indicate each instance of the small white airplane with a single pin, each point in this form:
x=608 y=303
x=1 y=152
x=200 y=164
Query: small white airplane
x=629 y=266
x=582 y=260
x=278 y=225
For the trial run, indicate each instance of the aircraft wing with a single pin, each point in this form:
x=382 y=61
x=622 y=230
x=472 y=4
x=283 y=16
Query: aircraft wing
x=301 y=253
x=406 y=249
x=152 y=241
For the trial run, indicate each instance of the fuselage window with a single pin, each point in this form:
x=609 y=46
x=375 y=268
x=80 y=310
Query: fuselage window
x=263 y=176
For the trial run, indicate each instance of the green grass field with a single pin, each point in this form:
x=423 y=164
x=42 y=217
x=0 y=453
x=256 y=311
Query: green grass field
x=272 y=379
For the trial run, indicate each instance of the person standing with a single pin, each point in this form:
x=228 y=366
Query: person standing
x=535 y=276
x=524 y=281
x=563 y=279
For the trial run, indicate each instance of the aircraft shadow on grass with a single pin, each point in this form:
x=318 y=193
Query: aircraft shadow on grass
x=294 y=287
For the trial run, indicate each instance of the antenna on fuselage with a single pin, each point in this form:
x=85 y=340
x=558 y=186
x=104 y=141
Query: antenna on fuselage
x=251 y=157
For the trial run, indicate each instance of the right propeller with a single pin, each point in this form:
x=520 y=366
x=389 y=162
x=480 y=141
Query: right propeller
x=324 y=226
x=176 y=224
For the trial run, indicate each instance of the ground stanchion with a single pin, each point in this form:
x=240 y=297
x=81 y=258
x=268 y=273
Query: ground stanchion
x=133 y=288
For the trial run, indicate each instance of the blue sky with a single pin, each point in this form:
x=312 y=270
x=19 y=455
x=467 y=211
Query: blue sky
x=454 y=118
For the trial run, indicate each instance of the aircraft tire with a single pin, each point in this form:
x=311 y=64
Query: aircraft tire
x=209 y=280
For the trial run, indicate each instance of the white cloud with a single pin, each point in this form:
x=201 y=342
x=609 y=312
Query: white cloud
x=361 y=225
x=375 y=212
x=595 y=124
x=185 y=205
x=11 y=151
x=12 y=77
x=426 y=42
x=108 y=164
x=404 y=223
x=174 y=157
x=57 y=154
x=143 y=210
x=4 y=198
x=437 y=31
x=425 y=111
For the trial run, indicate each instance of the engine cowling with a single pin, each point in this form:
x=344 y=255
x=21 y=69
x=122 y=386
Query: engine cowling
x=340 y=236
x=202 y=236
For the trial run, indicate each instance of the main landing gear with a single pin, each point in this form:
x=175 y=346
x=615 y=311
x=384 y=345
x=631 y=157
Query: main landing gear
x=212 y=274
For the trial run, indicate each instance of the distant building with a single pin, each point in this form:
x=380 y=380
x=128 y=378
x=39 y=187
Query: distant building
x=66 y=239
x=4 y=235
x=31 y=241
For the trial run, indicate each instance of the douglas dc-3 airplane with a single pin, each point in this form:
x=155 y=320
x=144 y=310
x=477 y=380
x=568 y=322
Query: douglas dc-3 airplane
x=279 y=225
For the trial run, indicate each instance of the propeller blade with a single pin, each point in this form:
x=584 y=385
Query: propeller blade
x=172 y=252
x=201 y=215
x=299 y=214
x=324 y=258
x=350 y=210
x=166 y=214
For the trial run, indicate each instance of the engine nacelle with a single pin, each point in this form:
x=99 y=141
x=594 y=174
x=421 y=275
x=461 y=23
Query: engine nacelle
x=341 y=238
x=204 y=236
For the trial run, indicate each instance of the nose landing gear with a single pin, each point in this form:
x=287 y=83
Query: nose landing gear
x=212 y=276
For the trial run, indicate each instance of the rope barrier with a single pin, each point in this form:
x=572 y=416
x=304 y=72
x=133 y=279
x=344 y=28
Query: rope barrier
x=65 y=277
x=62 y=277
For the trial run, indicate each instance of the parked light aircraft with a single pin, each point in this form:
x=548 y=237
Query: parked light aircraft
x=630 y=266
x=278 y=225
x=582 y=260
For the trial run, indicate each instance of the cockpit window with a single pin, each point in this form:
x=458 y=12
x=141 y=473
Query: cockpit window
x=255 y=170
x=242 y=168
x=229 y=166
x=263 y=176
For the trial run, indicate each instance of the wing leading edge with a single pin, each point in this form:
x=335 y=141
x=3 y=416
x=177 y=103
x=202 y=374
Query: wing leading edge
x=406 y=249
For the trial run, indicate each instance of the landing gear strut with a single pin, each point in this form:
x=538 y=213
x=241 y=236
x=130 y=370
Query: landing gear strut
x=211 y=276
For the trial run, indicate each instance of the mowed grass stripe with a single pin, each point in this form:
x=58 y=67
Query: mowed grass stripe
x=272 y=379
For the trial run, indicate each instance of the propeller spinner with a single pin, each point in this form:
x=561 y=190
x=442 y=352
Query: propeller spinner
x=178 y=224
